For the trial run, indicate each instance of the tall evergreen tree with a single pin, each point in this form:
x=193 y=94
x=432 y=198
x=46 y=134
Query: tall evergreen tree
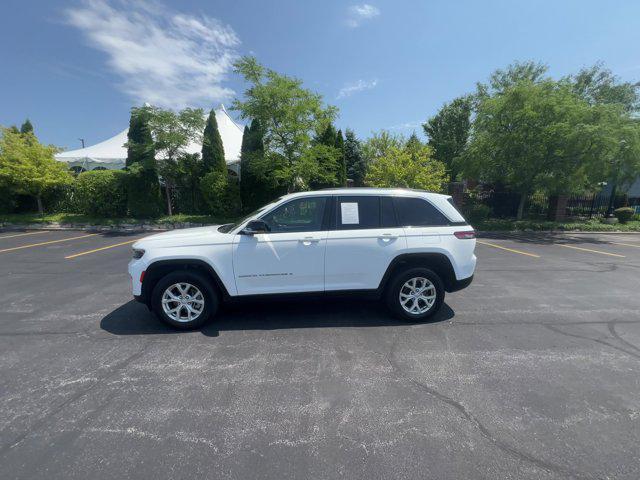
x=327 y=136
x=143 y=189
x=254 y=189
x=354 y=160
x=212 y=148
x=26 y=127
x=341 y=174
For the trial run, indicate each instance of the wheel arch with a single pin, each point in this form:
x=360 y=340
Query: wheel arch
x=438 y=262
x=156 y=270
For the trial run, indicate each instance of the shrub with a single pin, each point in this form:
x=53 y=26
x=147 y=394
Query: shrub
x=624 y=214
x=477 y=212
x=143 y=192
x=221 y=194
x=101 y=193
x=7 y=199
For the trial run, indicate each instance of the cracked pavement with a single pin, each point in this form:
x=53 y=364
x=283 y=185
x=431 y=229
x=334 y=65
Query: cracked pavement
x=530 y=373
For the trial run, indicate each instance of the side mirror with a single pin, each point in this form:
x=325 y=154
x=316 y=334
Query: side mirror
x=255 y=226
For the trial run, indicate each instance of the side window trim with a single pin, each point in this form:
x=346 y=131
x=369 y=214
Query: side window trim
x=396 y=218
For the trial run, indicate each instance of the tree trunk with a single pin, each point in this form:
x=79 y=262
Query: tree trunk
x=40 y=209
x=168 y=192
x=523 y=199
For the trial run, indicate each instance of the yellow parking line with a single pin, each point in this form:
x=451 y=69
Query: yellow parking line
x=100 y=249
x=626 y=244
x=509 y=249
x=591 y=251
x=47 y=243
x=23 y=234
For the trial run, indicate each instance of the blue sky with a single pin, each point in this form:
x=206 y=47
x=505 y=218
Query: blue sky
x=76 y=67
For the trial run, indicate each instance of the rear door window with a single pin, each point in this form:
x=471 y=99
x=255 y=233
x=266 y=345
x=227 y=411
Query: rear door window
x=417 y=212
x=357 y=212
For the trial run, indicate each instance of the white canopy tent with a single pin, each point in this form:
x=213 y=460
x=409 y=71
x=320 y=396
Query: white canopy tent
x=112 y=153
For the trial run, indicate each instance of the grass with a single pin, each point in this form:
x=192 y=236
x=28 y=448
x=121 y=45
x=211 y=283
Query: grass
x=77 y=218
x=593 y=225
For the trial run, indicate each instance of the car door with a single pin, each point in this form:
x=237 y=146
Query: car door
x=288 y=258
x=365 y=240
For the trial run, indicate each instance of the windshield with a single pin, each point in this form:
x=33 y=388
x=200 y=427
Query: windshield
x=227 y=227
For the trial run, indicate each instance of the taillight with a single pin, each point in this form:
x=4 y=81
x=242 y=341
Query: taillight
x=468 y=235
x=142 y=276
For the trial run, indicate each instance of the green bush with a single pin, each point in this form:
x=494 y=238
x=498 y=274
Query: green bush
x=143 y=192
x=7 y=199
x=101 y=193
x=476 y=212
x=222 y=195
x=624 y=214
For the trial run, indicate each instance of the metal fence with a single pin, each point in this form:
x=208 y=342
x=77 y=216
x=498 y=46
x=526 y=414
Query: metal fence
x=505 y=204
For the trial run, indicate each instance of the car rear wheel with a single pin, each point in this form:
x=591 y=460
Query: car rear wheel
x=184 y=299
x=415 y=294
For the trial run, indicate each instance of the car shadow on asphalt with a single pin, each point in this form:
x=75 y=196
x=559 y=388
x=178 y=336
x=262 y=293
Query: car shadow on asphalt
x=133 y=318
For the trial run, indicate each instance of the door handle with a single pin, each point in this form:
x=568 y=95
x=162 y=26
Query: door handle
x=388 y=236
x=309 y=240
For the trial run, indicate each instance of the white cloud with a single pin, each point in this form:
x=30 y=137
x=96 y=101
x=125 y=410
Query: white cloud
x=359 y=13
x=407 y=125
x=354 y=87
x=162 y=57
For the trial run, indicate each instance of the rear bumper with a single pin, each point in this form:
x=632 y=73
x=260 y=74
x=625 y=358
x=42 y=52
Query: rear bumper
x=460 y=284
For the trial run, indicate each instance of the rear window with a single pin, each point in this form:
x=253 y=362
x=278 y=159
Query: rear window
x=416 y=212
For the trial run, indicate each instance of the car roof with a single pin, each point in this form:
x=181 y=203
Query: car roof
x=357 y=191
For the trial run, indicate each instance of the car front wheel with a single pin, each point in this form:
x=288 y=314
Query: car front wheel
x=184 y=299
x=415 y=294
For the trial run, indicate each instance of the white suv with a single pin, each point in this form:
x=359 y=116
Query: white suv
x=406 y=246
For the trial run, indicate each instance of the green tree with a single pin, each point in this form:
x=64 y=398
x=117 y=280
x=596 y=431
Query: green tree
x=218 y=189
x=143 y=193
x=326 y=136
x=329 y=162
x=28 y=167
x=255 y=189
x=598 y=85
x=448 y=132
x=379 y=144
x=517 y=72
x=411 y=166
x=540 y=136
x=318 y=166
x=288 y=114
x=212 y=147
x=341 y=174
x=355 y=163
x=172 y=133
x=26 y=127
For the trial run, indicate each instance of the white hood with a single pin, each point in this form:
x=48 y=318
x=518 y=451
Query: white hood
x=186 y=237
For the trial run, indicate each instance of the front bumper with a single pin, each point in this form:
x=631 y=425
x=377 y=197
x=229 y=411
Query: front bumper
x=135 y=268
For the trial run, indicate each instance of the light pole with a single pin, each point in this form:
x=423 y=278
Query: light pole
x=82 y=141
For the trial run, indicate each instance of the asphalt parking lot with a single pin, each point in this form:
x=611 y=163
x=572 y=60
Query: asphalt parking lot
x=531 y=372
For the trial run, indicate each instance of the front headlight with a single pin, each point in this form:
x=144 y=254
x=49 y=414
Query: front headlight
x=138 y=253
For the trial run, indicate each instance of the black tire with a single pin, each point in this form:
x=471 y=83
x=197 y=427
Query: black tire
x=196 y=279
x=397 y=282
